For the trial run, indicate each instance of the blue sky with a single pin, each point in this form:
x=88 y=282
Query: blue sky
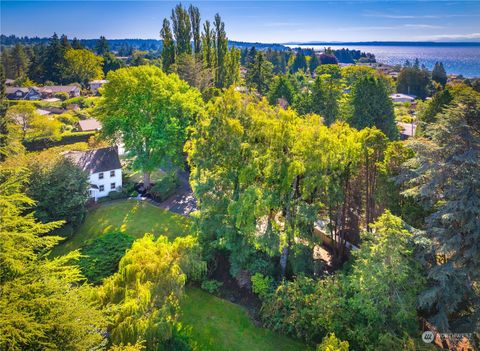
x=263 y=21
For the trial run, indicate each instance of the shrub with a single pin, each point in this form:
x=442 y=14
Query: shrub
x=332 y=343
x=112 y=195
x=115 y=195
x=100 y=258
x=211 y=286
x=81 y=101
x=301 y=260
x=45 y=143
x=262 y=285
x=61 y=95
x=165 y=187
x=67 y=118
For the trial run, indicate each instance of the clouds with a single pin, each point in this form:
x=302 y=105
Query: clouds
x=469 y=36
x=393 y=27
x=414 y=16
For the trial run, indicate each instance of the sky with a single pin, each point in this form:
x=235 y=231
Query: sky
x=253 y=21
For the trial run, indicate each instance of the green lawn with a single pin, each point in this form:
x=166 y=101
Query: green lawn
x=216 y=324
x=129 y=216
x=220 y=325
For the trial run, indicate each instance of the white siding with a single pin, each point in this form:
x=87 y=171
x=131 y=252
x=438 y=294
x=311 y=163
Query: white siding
x=107 y=180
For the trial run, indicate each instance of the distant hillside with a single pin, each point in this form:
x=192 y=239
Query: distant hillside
x=122 y=44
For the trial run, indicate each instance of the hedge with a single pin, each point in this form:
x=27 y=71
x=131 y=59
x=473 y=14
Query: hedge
x=66 y=139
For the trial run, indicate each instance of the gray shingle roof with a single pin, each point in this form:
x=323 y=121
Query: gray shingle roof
x=94 y=161
x=89 y=124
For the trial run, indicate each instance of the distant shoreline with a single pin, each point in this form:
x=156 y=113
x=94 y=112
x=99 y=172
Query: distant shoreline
x=386 y=43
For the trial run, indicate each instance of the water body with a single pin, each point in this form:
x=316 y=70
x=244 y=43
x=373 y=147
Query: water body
x=464 y=60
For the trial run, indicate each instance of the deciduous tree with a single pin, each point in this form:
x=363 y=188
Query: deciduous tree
x=151 y=112
x=82 y=66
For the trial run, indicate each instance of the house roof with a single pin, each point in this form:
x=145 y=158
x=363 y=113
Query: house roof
x=94 y=161
x=98 y=81
x=42 y=112
x=89 y=124
x=58 y=88
x=13 y=90
x=407 y=129
x=402 y=96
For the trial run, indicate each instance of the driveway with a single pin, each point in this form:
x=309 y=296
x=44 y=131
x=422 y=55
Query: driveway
x=182 y=202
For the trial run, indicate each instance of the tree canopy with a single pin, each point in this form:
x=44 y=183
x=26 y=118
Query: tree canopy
x=150 y=112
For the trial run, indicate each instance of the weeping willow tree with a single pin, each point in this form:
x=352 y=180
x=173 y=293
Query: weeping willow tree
x=142 y=298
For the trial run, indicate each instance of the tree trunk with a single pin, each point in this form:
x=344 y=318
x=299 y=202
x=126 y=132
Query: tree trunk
x=146 y=180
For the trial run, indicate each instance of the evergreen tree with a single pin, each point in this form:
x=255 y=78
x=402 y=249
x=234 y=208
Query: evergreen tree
x=18 y=61
x=439 y=74
x=111 y=63
x=101 y=46
x=181 y=30
x=259 y=73
x=372 y=107
x=313 y=64
x=53 y=60
x=413 y=81
x=323 y=97
x=436 y=105
x=76 y=44
x=64 y=42
x=168 y=51
x=250 y=57
x=445 y=176
x=44 y=304
x=281 y=88
x=300 y=62
x=60 y=190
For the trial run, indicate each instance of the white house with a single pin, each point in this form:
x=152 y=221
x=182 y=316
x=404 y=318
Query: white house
x=402 y=97
x=103 y=167
x=95 y=84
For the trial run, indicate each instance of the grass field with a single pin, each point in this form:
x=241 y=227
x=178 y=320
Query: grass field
x=220 y=325
x=129 y=216
x=216 y=324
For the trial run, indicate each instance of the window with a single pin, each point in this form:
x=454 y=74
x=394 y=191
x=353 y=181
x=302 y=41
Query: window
x=112 y=174
x=100 y=175
x=112 y=186
x=101 y=188
x=19 y=93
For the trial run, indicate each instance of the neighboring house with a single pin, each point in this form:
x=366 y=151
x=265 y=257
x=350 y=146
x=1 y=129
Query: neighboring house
x=37 y=93
x=103 y=167
x=95 y=84
x=50 y=91
x=9 y=82
x=42 y=112
x=20 y=93
x=407 y=130
x=89 y=125
x=402 y=97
